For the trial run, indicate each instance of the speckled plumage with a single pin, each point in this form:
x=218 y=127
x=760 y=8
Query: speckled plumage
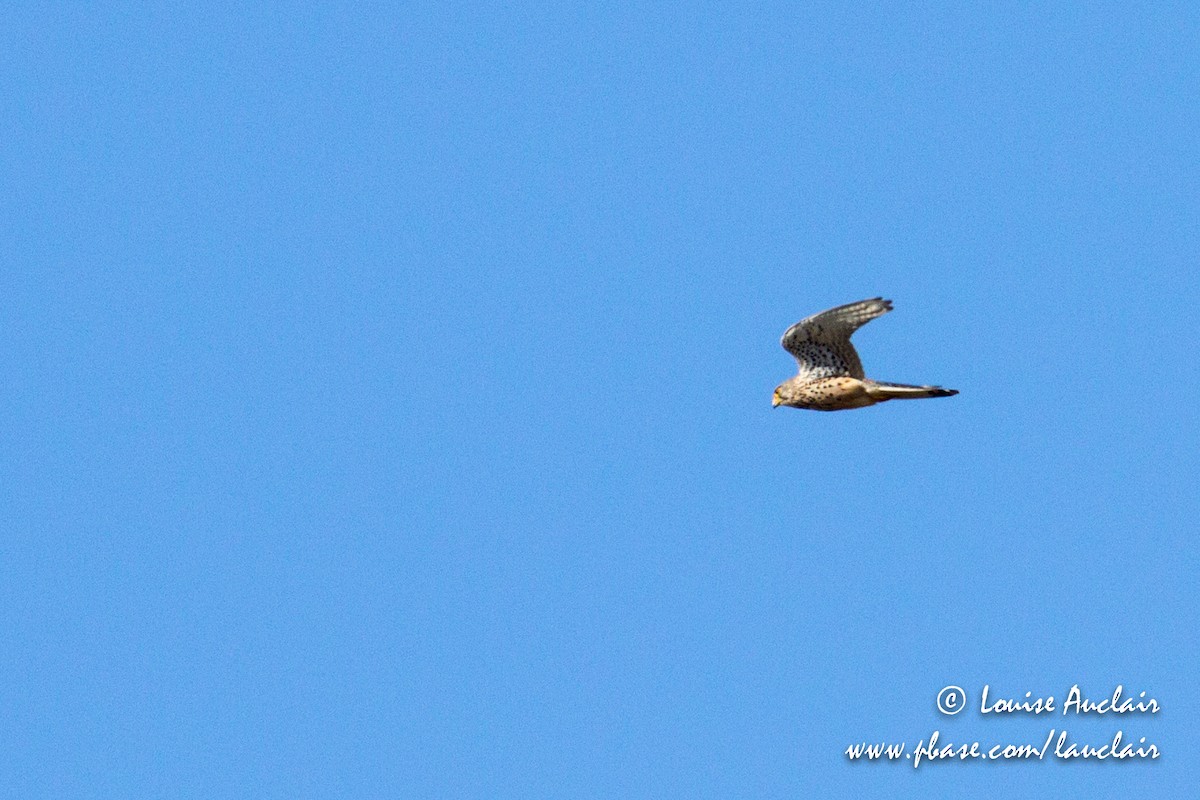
x=831 y=376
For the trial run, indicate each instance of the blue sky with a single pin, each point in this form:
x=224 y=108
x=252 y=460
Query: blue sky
x=387 y=405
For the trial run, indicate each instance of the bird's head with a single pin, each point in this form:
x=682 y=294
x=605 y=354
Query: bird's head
x=780 y=396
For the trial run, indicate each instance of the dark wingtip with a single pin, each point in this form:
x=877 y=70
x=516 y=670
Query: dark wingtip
x=946 y=392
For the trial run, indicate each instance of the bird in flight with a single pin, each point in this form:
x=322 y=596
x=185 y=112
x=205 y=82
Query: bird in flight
x=831 y=376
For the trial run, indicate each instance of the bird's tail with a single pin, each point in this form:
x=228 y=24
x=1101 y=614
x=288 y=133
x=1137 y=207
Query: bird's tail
x=902 y=391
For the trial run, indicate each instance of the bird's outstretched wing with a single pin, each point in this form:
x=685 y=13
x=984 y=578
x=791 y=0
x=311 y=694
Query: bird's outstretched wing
x=821 y=343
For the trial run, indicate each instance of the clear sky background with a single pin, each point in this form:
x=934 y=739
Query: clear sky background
x=387 y=387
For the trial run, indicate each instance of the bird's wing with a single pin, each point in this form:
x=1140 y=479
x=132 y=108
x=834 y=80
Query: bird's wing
x=821 y=343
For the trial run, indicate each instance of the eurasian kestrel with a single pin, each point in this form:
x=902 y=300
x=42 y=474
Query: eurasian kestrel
x=831 y=376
